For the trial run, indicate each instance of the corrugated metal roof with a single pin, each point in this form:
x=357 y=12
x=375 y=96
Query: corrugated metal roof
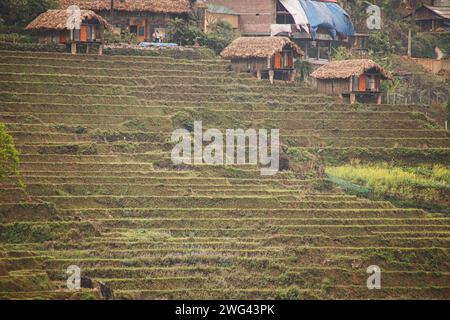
x=443 y=12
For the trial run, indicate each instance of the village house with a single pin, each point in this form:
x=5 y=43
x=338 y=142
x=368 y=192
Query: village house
x=266 y=57
x=316 y=26
x=215 y=13
x=141 y=18
x=52 y=27
x=358 y=79
x=435 y=18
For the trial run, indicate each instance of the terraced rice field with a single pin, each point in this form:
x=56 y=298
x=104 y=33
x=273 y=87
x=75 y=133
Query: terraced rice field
x=100 y=192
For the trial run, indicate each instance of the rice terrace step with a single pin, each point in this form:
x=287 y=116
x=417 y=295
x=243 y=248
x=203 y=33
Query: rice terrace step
x=361 y=190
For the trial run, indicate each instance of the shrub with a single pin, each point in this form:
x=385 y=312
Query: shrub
x=423 y=45
x=220 y=35
x=185 y=33
x=124 y=37
x=9 y=156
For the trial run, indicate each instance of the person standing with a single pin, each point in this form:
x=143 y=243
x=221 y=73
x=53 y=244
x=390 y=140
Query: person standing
x=156 y=36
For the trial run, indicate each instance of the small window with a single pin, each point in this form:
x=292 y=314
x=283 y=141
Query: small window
x=370 y=82
x=91 y=33
x=355 y=83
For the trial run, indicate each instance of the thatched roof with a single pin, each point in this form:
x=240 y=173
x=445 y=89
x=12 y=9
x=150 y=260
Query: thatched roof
x=57 y=20
x=346 y=68
x=258 y=47
x=157 y=6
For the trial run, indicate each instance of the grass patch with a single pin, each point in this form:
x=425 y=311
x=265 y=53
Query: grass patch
x=423 y=186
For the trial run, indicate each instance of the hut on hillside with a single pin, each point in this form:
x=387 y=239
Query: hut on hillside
x=139 y=17
x=52 y=27
x=434 y=18
x=357 y=79
x=266 y=57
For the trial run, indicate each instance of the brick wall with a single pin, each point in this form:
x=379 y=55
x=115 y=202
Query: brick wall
x=256 y=15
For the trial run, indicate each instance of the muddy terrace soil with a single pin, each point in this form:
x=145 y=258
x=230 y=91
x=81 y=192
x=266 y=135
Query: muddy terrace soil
x=94 y=133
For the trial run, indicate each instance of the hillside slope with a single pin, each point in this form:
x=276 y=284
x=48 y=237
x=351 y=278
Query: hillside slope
x=101 y=193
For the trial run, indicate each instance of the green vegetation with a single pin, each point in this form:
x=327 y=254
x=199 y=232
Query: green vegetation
x=185 y=33
x=415 y=186
x=101 y=191
x=9 y=156
x=423 y=45
x=22 y=11
x=393 y=37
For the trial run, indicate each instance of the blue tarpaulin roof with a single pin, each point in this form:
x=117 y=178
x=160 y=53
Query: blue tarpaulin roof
x=327 y=15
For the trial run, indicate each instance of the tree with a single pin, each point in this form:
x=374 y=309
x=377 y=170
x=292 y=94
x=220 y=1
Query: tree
x=185 y=33
x=23 y=11
x=220 y=35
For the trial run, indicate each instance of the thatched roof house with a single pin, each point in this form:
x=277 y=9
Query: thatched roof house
x=52 y=27
x=266 y=57
x=143 y=18
x=156 y=6
x=259 y=47
x=57 y=20
x=359 y=78
x=345 y=69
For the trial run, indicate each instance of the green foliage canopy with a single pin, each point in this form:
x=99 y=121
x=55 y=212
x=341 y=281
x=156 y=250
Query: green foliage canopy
x=23 y=11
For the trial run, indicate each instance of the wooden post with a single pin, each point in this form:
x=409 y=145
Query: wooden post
x=100 y=50
x=318 y=49
x=409 y=42
x=73 y=48
x=258 y=74
x=379 y=99
x=352 y=98
x=271 y=76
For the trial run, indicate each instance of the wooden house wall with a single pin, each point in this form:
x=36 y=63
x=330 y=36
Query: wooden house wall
x=251 y=65
x=148 y=21
x=333 y=86
x=50 y=36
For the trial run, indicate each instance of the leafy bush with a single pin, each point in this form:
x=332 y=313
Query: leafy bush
x=123 y=37
x=423 y=45
x=220 y=35
x=380 y=42
x=9 y=156
x=185 y=33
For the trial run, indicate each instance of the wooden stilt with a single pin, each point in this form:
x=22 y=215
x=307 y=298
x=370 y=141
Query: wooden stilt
x=271 y=76
x=379 y=99
x=352 y=98
x=73 y=48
